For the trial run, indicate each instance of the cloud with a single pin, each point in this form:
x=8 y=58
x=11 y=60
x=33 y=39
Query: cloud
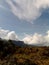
x=12 y=35
x=6 y=34
x=47 y=37
x=34 y=39
x=37 y=39
x=28 y=10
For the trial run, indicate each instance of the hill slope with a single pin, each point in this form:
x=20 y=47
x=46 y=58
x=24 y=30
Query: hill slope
x=12 y=54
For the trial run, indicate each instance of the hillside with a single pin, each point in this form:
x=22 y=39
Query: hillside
x=12 y=54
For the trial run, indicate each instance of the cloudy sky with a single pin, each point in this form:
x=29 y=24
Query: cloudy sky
x=27 y=20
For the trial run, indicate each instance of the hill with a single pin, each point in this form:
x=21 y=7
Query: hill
x=13 y=54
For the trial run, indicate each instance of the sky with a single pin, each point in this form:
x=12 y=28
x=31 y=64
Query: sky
x=27 y=20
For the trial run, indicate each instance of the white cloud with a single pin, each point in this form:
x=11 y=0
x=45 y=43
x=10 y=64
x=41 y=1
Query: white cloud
x=3 y=33
x=6 y=34
x=12 y=35
x=34 y=39
x=47 y=37
x=28 y=9
x=37 y=39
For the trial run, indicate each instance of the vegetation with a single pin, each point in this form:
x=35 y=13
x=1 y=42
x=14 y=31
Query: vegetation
x=11 y=54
